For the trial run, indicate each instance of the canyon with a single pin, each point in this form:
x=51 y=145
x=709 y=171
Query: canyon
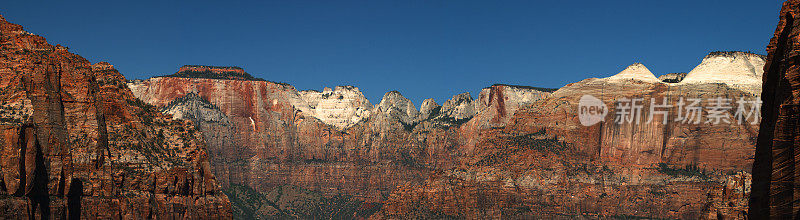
x=214 y=142
x=514 y=151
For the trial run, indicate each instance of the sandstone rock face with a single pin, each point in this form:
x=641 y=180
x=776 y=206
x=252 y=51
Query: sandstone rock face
x=273 y=142
x=643 y=141
x=675 y=169
x=460 y=107
x=775 y=181
x=737 y=69
x=312 y=97
x=429 y=107
x=395 y=105
x=545 y=152
x=497 y=104
x=194 y=108
x=217 y=129
x=342 y=107
x=264 y=121
x=533 y=176
x=731 y=199
x=78 y=144
x=515 y=152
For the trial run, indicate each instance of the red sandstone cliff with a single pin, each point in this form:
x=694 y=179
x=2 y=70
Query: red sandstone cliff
x=514 y=152
x=77 y=143
x=775 y=179
x=273 y=142
x=75 y=137
x=545 y=164
x=724 y=146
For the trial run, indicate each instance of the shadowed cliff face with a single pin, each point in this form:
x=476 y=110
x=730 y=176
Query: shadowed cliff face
x=775 y=179
x=77 y=143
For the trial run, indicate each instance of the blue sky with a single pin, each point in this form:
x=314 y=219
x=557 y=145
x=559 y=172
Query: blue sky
x=424 y=49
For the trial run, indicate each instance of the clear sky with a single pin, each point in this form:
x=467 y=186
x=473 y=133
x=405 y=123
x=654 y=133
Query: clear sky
x=424 y=49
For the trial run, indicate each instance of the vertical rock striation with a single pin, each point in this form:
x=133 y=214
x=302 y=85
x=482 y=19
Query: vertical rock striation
x=78 y=144
x=775 y=169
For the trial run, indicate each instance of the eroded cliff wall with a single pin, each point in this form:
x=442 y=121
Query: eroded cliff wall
x=78 y=144
x=775 y=178
x=515 y=151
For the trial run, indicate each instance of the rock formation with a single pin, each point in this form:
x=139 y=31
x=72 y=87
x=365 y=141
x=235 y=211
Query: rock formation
x=342 y=107
x=544 y=152
x=775 y=179
x=280 y=136
x=671 y=167
x=514 y=144
x=459 y=108
x=737 y=69
x=194 y=108
x=636 y=71
x=429 y=108
x=78 y=144
x=498 y=103
x=75 y=137
x=644 y=141
x=396 y=106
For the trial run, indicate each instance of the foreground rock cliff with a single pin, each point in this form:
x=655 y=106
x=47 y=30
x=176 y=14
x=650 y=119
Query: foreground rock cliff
x=775 y=176
x=514 y=152
x=76 y=143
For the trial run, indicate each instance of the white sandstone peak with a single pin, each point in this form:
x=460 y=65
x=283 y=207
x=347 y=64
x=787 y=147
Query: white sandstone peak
x=729 y=68
x=428 y=107
x=636 y=71
x=341 y=107
x=397 y=106
x=459 y=107
x=738 y=69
